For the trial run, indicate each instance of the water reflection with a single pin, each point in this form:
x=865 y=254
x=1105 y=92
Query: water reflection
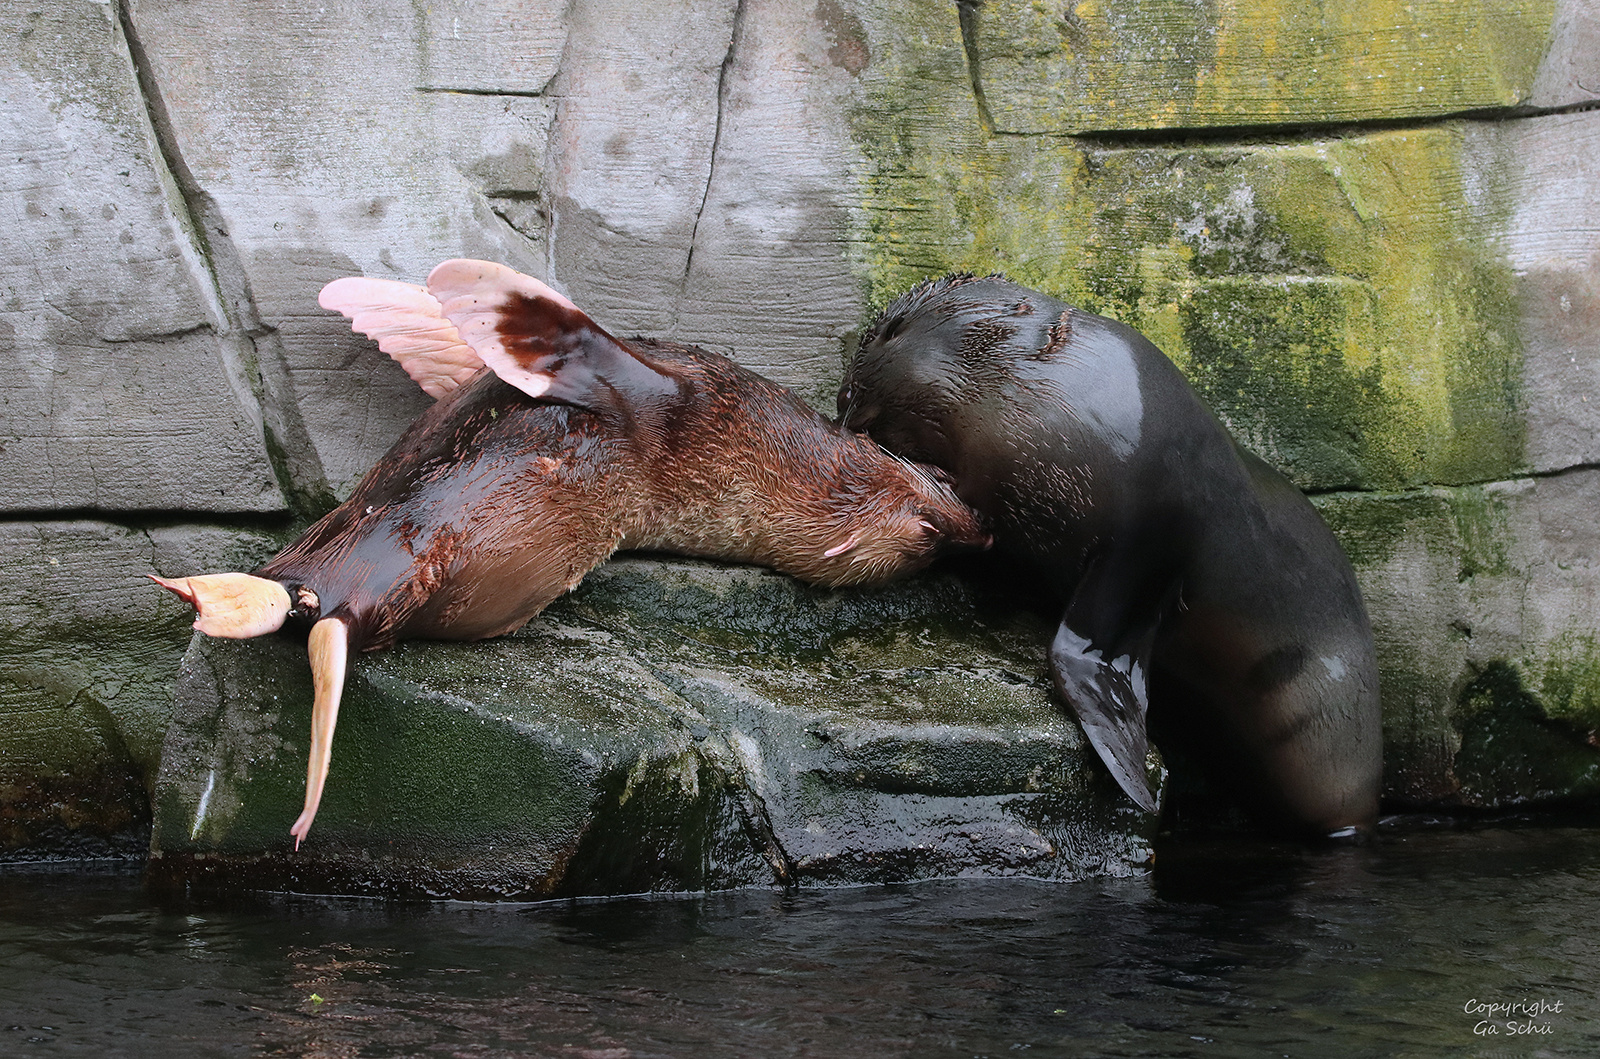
x=1226 y=949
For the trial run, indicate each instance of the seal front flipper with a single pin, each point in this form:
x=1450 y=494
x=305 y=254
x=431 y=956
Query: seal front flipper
x=1109 y=696
x=538 y=341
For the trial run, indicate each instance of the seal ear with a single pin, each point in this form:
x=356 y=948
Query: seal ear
x=538 y=341
x=407 y=323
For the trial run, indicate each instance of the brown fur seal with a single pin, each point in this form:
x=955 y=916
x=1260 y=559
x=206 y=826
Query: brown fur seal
x=521 y=479
x=1197 y=581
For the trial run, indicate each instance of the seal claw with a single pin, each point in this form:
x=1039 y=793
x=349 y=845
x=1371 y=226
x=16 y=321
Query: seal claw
x=840 y=549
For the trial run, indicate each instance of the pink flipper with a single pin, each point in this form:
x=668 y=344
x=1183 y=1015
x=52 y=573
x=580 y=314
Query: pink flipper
x=235 y=606
x=329 y=649
x=477 y=296
x=538 y=341
x=406 y=322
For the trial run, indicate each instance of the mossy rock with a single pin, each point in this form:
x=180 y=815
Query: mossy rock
x=669 y=726
x=89 y=650
x=1077 y=66
x=1482 y=601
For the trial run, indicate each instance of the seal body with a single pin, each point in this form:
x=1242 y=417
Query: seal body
x=554 y=444
x=492 y=503
x=1201 y=590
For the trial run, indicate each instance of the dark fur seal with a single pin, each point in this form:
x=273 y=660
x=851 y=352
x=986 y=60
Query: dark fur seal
x=1189 y=567
x=518 y=482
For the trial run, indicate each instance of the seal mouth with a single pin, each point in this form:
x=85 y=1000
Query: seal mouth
x=858 y=419
x=975 y=538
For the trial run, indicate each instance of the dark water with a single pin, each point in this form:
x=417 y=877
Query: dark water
x=1223 y=951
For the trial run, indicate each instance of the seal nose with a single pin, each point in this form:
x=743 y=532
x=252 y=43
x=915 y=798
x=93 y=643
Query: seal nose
x=966 y=531
x=853 y=416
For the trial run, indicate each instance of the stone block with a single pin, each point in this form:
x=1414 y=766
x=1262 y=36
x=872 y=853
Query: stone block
x=498 y=47
x=121 y=396
x=631 y=155
x=669 y=726
x=1484 y=603
x=1542 y=174
x=766 y=279
x=1377 y=311
x=427 y=145
x=1082 y=66
x=88 y=658
x=721 y=225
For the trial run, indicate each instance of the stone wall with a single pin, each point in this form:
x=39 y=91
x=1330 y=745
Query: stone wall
x=1369 y=233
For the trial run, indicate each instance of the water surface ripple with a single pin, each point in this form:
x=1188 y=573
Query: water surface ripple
x=1224 y=950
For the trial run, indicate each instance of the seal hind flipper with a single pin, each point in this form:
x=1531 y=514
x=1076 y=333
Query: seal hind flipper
x=407 y=323
x=1111 y=701
x=538 y=341
x=234 y=606
x=329 y=649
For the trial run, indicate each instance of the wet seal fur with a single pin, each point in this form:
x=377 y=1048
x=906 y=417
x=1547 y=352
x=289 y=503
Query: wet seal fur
x=1202 y=591
x=572 y=445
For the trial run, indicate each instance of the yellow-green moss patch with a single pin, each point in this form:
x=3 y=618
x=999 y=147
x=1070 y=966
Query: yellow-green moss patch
x=1086 y=65
x=1567 y=675
x=1340 y=303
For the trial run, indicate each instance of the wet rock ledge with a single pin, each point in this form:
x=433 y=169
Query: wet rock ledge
x=670 y=726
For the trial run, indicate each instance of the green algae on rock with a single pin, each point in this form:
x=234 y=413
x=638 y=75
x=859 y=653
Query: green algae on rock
x=1487 y=667
x=1075 y=66
x=88 y=659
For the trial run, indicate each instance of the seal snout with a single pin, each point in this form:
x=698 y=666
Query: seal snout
x=968 y=531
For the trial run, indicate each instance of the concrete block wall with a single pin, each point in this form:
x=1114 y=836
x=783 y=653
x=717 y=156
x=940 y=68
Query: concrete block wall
x=1369 y=233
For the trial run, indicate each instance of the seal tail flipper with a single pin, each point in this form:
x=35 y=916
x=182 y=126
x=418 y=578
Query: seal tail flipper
x=1110 y=699
x=538 y=341
x=235 y=606
x=407 y=323
x=329 y=648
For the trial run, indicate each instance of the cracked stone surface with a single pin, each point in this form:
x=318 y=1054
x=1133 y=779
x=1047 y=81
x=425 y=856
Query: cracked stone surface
x=1397 y=303
x=86 y=683
x=118 y=396
x=670 y=726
